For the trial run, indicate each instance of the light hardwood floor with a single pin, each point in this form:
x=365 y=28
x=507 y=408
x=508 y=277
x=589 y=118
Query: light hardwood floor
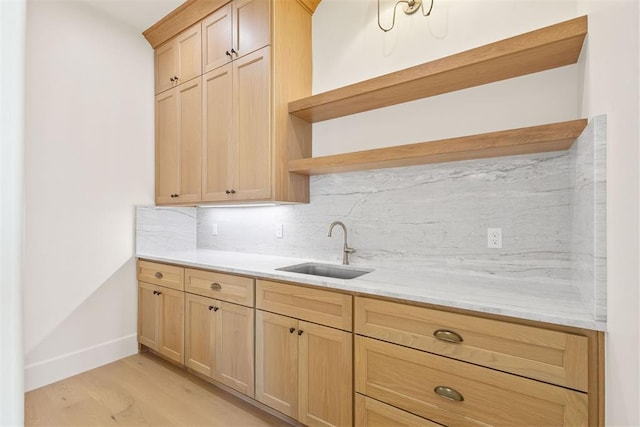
x=140 y=390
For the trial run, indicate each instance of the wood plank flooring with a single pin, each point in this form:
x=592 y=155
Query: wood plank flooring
x=140 y=390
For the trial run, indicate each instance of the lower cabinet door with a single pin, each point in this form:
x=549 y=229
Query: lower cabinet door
x=148 y=315
x=200 y=326
x=372 y=413
x=171 y=331
x=326 y=376
x=277 y=362
x=457 y=393
x=234 y=347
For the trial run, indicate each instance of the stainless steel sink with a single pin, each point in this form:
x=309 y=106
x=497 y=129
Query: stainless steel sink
x=326 y=270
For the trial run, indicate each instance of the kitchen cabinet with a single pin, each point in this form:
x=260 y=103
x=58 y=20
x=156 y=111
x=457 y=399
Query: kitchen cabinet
x=455 y=368
x=373 y=413
x=219 y=341
x=304 y=369
x=161 y=320
x=219 y=327
x=178 y=60
x=249 y=137
x=237 y=130
x=178 y=144
x=236 y=29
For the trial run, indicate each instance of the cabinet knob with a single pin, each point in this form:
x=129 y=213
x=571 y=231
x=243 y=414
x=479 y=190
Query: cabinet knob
x=216 y=308
x=216 y=286
x=211 y=307
x=175 y=78
x=448 y=393
x=158 y=275
x=300 y=332
x=448 y=336
x=233 y=51
x=157 y=293
x=227 y=191
x=233 y=191
x=227 y=53
x=291 y=330
x=171 y=78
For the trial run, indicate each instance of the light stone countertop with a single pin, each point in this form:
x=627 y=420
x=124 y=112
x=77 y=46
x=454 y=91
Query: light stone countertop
x=550 y=301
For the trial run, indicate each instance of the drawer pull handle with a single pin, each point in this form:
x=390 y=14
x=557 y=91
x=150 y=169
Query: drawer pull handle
x=158 y=275
x=447 y=336
x=448 y=393
x=216 y=286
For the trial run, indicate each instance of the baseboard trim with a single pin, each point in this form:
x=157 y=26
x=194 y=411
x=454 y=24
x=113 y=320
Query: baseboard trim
x=48 y=371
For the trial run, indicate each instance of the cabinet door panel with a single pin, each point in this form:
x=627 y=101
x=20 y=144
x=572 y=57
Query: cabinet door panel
x=166 y=147
x=217 y=38
x=165 y=66
x=189 y=47
x=171 y=340
x=200 y=327
x=373 y=413
x=252 y=128
x=217 y=158
x=234 y=347
x=277 y=362
x=251 y=25
x=325 y=370
x=190 y=140
x=148 y=315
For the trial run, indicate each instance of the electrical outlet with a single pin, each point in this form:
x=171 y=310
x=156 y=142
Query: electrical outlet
x=214 y=229
x=279 y=231
x=494 y=238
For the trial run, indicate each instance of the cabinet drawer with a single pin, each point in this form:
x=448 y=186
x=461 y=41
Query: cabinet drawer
x=408 y=379
x=314 y=305
x=372 y=413
x=161 y=274
x=551 y=356
x=225 y=287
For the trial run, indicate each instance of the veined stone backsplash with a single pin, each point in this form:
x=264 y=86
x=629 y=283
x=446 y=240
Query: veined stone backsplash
x=550 y=207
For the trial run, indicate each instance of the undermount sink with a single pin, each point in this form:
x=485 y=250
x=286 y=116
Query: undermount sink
x=326 y=270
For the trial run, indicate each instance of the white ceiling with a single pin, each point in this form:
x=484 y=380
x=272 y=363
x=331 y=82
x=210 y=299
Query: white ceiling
x=139 y=14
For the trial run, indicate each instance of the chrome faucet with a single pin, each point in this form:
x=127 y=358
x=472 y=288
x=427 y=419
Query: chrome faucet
x=346 y=249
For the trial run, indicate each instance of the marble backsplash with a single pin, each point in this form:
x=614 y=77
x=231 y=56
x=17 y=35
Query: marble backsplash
x=550 y=207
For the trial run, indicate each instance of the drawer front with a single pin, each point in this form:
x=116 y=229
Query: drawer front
x=453 y=392
x=551 y=356
x=161 y=274
x=313 y=305
x=373 y=413
x=225 y=287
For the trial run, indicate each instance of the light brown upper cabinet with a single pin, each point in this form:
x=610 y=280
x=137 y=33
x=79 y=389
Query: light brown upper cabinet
x=178 y=144
x=248 y=136
x=237 y=130
x=234 y=30
x=178 y=60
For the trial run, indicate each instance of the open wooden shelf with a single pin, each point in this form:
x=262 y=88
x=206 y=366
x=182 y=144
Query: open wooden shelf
x=535 y=139
x=550 y=47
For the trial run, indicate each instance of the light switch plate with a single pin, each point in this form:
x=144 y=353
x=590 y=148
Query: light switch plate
x=494 y=238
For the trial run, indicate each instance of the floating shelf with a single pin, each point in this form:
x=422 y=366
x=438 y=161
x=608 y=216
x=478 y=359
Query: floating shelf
x=535 y=139
x=550 y=47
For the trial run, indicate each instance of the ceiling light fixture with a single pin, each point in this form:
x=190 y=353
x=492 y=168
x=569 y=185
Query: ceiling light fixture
x=410 y=7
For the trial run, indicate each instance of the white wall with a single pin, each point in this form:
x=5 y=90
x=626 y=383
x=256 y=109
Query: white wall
x=611 y=86
x=12 y=24
x=349 y=47
x=89 y=151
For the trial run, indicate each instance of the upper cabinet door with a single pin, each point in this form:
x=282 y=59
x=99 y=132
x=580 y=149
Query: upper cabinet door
x=251 y=30
x=189 y=47
x=252 y=127
x=189 y=141
x=217 y=38
x=178 y=60
x=166 y=147
x=165 y=66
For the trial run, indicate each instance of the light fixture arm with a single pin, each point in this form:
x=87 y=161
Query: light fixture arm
x=410 y=7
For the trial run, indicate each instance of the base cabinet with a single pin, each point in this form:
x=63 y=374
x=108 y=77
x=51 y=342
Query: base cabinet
x=161 y=320
x=373 y=413
x=304 y=370
x=219 y=341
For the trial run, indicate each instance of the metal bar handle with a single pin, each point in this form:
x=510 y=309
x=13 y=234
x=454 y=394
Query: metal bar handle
x=448 y=393
x=448 y=336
